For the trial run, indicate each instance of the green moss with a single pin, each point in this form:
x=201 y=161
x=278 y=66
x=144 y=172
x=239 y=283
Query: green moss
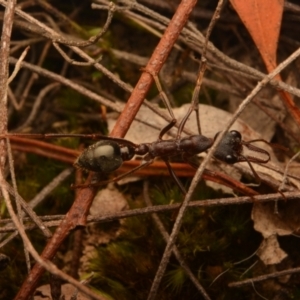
x=40 y=173
x=127 y=265
x=175 y=279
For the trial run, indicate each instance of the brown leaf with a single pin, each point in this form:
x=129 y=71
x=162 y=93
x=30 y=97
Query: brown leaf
x=270 y=252
x=141 y=133
x=271 y=225
x=108 y=201
x=263 y=20
x=68 y=290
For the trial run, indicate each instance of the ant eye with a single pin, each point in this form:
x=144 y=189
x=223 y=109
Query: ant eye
x=230 y=159
x=236 y=134
x=232 y=133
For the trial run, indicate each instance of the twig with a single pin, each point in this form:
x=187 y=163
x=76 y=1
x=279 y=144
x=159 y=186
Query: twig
x=17 y=200
x=4 y=56
x=200 y=171
x=18 y=65
x=168 y=250
x=264 y=277
x=33 y=77
x=52 y=221
x=176 y=252
x=78 y=212
x=42 y=263
x=38 y=101
x=74 y=62
x=285 y=174
x=154 y=65
x=70 y=83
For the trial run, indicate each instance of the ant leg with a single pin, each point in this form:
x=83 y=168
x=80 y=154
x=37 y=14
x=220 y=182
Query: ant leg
x=174 y=176
x=46 y=136
x=166 y=129
x=191 y=161
x=104 y=182
x=221 y=178
x=257 y=149
x=195 y=101
x=163 y=95
x=166 y=102
x=257 y=178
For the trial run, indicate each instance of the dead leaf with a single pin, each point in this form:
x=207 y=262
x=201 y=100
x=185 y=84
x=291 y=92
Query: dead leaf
x=108 y=201
x=294 y=169
x=212 y=121
x=256 y=117
x=67 y=290
x=270 y=252
x=263 y=21
x=270 y=225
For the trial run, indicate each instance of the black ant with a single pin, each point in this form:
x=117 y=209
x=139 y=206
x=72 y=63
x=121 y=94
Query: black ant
x=108 y=155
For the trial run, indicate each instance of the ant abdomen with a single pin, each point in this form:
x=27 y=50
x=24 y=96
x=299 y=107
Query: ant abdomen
x=101 y=157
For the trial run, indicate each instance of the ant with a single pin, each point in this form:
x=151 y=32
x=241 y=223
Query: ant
x=108 y=154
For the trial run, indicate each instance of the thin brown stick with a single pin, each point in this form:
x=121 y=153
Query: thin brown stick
x=264 y=277
x=46 y=264
x=55 y=220
x=4 y=56
x=168 y=250
x=154 y=65
x=164 y=233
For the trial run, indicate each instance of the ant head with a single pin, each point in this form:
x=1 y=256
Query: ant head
x=230 y=148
